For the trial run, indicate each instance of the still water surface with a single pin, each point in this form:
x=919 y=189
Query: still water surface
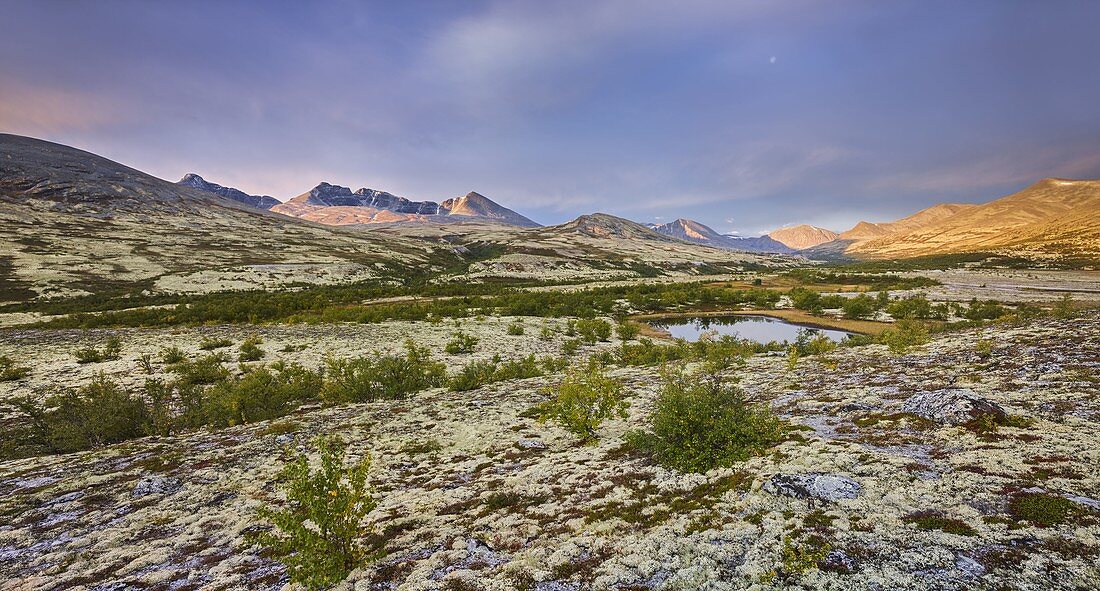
x=760 y=329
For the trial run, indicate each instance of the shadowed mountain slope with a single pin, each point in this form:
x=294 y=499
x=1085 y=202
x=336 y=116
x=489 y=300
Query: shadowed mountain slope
x=72 y=222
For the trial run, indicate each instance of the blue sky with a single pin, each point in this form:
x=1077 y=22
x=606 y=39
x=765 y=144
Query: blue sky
x=745 y=115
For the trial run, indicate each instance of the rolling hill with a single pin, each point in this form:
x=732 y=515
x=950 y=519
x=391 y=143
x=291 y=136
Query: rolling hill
x=72 y=223
x=1051 y=218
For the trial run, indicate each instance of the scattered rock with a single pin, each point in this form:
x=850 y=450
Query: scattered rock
x=839 y=562
x=953 y=406
x=157 y=485
x=530 y=444
x=825 y=487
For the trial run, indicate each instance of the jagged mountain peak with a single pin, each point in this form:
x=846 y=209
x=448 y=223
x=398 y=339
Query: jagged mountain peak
x=258 y=201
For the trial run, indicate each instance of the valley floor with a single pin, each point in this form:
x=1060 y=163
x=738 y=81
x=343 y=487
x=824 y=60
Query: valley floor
x=477 y=495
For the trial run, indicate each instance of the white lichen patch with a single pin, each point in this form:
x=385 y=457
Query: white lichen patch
x=505 y=502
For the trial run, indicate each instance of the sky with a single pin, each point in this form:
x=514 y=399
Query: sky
x=745 y=115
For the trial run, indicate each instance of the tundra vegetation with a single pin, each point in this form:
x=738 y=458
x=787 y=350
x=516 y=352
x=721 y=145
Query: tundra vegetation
x=713 y=438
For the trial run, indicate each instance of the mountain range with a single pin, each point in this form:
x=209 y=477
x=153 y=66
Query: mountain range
x=1054 y=217
x=339 y=206
x=74 y=223
x=693 y=231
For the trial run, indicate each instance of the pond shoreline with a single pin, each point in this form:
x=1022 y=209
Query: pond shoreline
x=797 y=317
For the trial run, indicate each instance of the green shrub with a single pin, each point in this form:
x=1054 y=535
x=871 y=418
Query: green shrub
x=145 y=362
x=171 y=355
x=700 y=423
x=918 y=307
x=546 y=333
x=593 y=329
x=260 y=394
x=627 y=330
x=859 y=307
x=805 y=299
x=95 y=415
x=473 y=375
x=10 y=371
x=110 y=352
x=319 y=528
x=584 y=400
x=212 y=344
x=984 y=348
x=461 y=343
x=205 y=370
x=381 y=377
x=987 y=310
x=478 y=373
x=161 y=418
x=515 y=328
x=570 y=347
x=810 y=342
x=250 y=350
x=1065 y=307
x=905 y=335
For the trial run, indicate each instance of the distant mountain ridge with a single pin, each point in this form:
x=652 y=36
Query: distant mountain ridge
x=336 y=205
x=802 y=236
x=693 y=231
x=1053 y=217
x=258 y=201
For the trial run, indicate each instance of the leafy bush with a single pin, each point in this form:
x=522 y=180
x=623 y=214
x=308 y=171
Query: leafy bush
x=805 y=299
x=700 y=423
x=984 y=348
x=261 y=393
x=171 y=355
x=10 y=371
x=145 y=362
x=473 y=375
x=205 y=370
x=111 y=351
x=627 y=330
x=987 y=310
x=1065 y=307
x=515 y=328
x=478 y=373
x=381 y=377
x=570 y=347
x=584 y=400
x=546 y=333
x=810 y=342
x=319 y=528
x=250 y=350
x=461 y=343
x=593 y=329
x=95 y=415
x=859 y=307
x=905 y=335
x=212 y=344
x=916 y=306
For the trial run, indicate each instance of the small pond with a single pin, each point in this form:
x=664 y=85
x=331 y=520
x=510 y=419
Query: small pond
x=760 y=329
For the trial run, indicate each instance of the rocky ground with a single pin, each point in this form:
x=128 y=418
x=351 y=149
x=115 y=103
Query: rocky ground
x=879 y=490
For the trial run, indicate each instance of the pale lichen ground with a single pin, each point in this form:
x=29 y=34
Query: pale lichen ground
x=509 y=503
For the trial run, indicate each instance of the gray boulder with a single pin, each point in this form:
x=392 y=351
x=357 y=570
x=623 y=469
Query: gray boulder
x=157 y=485
x=825 y=487
x=953 y=406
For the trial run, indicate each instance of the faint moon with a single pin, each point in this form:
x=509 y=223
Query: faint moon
x=772 y=60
